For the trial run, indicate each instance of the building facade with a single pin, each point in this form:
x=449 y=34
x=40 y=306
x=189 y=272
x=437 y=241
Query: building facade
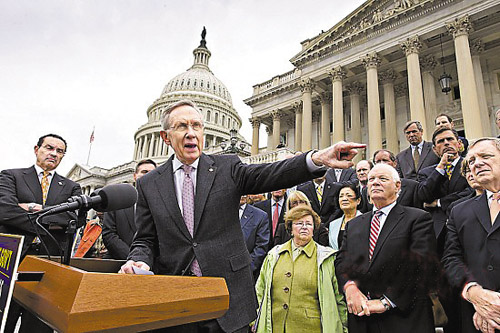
x=379 y=67
x=197 y=84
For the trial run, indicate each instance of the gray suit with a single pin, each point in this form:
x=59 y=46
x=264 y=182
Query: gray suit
x=165 y=244
x=406 y=165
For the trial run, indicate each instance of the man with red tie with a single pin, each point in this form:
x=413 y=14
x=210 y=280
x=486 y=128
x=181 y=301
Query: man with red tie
x=275 y=210
x=385 y=262
x=472 y=249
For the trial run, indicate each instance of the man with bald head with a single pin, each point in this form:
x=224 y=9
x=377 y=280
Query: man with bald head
x=382 y=265
x=472 y=249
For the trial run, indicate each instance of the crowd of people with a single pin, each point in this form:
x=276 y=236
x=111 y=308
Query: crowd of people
x=312 y=243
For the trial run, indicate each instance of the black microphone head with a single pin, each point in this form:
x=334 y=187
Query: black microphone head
x=115 y=197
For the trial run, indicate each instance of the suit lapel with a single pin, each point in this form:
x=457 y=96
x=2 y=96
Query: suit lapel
x=246 y=216
x=130 y=214
x=395 y=215
x=425 y=150
x=166 y=188
x=364 y=241
x=56 y=186
x=482 y=211
x=204 y=181
x=455 y=176
x=31 y=179
x=327 y=188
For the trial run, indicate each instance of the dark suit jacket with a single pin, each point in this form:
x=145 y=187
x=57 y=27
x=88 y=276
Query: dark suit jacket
x=22 y=186
x=266 y=207
x=433 y=185
x=406 y=166
x=472 y=250
x=118 y=231
x=165 y=244
x=347 y=175
x=329 y=208
x=397 y=270
x=256 y=233
x=407 y=196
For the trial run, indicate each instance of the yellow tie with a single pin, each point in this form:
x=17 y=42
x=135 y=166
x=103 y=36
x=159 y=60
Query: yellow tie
x=448 y=171
x=319 y=193
x=494 y=207
x=45 y=185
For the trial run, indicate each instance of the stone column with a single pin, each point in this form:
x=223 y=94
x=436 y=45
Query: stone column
x=391 y=130
x=276 y=127
x=136 y=148
x=477 y=47
x=325 y=99
x=144 y=146
x=337 y=75
x=371 y=62
x=460 y=28
x=355 y=89
x=269 y=131
x=297 y=108
x=151 y=145
x=307 y=86
x=428 y=64
x=255 y=135
x=160 y=144
x=411 y=47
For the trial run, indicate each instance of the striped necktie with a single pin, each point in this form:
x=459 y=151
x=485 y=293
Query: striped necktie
x=374 y=232
x=45 y=186
x=319 y=193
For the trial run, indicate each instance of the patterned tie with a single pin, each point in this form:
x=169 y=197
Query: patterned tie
x=276 y=216
x=374 y=232
x=45 y=186
x=447 y=170
x=495 y=207
x=319 y=193
x=188 y=209
x=416 y=157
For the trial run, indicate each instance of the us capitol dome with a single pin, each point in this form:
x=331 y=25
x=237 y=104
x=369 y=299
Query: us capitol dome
x=200 y=85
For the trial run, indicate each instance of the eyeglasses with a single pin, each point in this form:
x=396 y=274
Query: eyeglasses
x=183 y=127
x=58 y=151
x=301 y=224
x=296 y=203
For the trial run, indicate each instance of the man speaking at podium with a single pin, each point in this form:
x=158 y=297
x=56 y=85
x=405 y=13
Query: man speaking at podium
x=187 y=212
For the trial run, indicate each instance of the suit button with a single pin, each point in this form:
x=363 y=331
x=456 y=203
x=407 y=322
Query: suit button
x=490 y=268
x=195 y=244
x=285 y=306
x=288 y=274
x=286 y=289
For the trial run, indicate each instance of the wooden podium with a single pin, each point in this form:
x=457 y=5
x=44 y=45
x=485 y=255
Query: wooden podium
x=70 y=299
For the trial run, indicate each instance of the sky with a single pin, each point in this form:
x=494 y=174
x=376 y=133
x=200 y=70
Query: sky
x=67 y=66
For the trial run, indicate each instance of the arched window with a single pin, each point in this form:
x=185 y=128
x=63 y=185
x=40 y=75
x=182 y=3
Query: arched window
x=216 y=118
x=208 y=115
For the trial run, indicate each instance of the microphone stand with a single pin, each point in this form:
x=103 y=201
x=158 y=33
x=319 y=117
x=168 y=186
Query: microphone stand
x=71 y=229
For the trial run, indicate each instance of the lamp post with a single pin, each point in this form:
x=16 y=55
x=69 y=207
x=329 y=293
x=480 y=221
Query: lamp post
x=231 y=146
x=445 y=79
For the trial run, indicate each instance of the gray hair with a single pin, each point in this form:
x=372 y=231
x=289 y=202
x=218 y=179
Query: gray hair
x=165 y=115
x=392 y=171
x=497 y=112
x=411 y=122
x=494 y=141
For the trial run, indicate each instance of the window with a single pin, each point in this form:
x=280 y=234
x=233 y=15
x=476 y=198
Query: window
x=208 y=115
x=456 y=92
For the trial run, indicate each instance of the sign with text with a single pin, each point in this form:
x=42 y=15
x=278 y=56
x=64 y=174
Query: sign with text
x=10 y=253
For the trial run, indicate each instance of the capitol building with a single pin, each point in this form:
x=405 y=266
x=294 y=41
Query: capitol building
x=198 y=84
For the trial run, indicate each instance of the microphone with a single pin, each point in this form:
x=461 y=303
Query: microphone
x=108 y=198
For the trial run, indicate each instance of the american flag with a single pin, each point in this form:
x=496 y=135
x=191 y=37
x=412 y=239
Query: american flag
x=92 y=137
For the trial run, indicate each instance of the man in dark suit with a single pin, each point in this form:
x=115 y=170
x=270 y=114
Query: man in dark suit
x=383 y=263
x=29 y=190
x=443 y=183
x=21 y=192
x=341 y=175
x=328 y=209
x=255 y=230
x=471 y=257
x=275 y=210
x=118 y=227
x=187 y=212
x=443 y=119
x=418 y=156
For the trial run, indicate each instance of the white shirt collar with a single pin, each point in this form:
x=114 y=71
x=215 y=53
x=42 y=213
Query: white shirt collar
x=387 y=209
x=40 y=171
x=176 y=164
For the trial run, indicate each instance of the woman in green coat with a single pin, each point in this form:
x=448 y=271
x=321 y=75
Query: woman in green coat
x=297 y=288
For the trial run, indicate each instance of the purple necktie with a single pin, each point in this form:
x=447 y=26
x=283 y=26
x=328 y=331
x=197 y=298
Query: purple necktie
x=188 y=209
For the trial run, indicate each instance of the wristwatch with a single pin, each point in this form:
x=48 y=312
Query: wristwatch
x=386 y=304
x=31 y=207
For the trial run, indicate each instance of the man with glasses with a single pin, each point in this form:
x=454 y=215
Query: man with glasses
x=187 y=211
x=29 y=190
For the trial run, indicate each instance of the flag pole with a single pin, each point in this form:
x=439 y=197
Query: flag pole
x=90 y=146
